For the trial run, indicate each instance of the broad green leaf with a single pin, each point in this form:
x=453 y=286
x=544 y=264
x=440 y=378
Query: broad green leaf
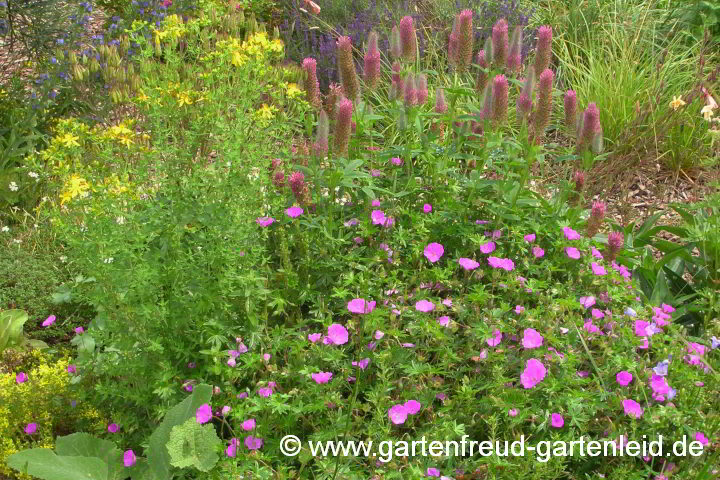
x=44 y=464
x=11 y=328
x=158 y=456
x=193 y=445
x=86 y=445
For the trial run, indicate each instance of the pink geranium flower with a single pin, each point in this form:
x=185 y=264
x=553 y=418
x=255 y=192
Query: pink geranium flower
x=31 y=428
x=337 y=334
x=248 y=425
x=378 y=217
x=468 y=264
x=293 y=212
x=529 y=238
x=253 y=443
x=322 y=377
x=495 y=339
x=360 y=306
x=587 y=302
x=424 y=306
x=624 y=378
x=21 y=377
x=538 y=252
x=504 y=263
x=598 y=269
x=444 y=321
x=398 y=414
x=632 y=408
x=264 y=221
x=557 y=420
x=533 y=374
x=519 y=309
x=129 y=458
x=427 y=208
x=571 y=234
x=203 y=414
x=412 y=407
x=531 y=338
x=572 y=252
x=434 y=251
x=49 y=321
x=231 y=450
x=700 y=437
x=314 y=337
x=488 y=247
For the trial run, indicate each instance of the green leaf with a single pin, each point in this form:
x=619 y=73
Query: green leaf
x=44 y=464
x=11 y=328
x=193 y=445
x=158 y=456
x=86 y=445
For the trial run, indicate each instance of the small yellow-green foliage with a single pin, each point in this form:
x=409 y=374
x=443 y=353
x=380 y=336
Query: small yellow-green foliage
x=46 y=399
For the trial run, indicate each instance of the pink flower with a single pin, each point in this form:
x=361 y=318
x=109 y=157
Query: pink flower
x=412 y=407
x=696 y=348
x=397 y=161
x=531 y=338
x=624 y=378
x=314 y=337
x=129 y=458
x=700 y=437
x=264 y=221
x=266 y=357
x=468 y=264
x=495 y=339
x=444 y=321
x=504 y=263
x=202 y=415
x=571 y=234
x=293 y=212
x=49 y=321
x=659 y=385
x=361 y=364
x=378 y=217
x=79 y=330
x=21 y=377
x=597 y=313
x=434 y=251
x=31 y=428
x=529 y=238
x=432 y=472
x=231 y=450
x=598 y=269
x=379 y=334
x=587 y=302
x=398 y=414
x=112 y=428
x=557 y=420
x=248 y=425
x=488 y=247
x=427 y=208
x=538 y=252
x=253 y=443
x=360 y=306
x=337 y=334
x=513 y=412
x=632 y=408
x=519 y=309
x=533 y=374
x=424 y=306
x=572 y=252
x=265 y=392
x=322 y=377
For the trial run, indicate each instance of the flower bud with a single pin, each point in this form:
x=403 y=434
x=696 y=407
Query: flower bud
x=500 y=43
x=570 y=101
x=500 y=98
x=312 y=85
x=372 y=61
x=395 y=47
x=346 y=68
x=421 y=89
x=342 y=127
x=590 y=127
x=543 y=48
x=482 y=75
x=515 y=55
x=408 y=40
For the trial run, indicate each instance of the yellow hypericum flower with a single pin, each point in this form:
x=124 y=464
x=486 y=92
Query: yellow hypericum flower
x=74 y=186
x=69 y=140
x=142 y=97
x=293 y=90
x=184 y=99
x=677 y=102
x=707 y=112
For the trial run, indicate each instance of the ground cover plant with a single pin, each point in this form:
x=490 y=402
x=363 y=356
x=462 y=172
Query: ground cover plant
x=250 y=255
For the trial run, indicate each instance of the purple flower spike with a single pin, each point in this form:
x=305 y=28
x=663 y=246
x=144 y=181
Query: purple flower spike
x=500 y=43
x=500 y=98
x=408 y=40
x=543 y=48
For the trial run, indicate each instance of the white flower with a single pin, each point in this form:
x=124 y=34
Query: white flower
x=5 y=229
x=13 y=187
x=33 y=175
x=109 y=260
x=120 y=220
x=707 y=112
x=17 y=240
x=63 y=258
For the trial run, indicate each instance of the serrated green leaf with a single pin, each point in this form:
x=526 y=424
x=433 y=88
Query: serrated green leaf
x=193 y=445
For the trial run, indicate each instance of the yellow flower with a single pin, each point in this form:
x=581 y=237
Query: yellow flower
x=74 y=186
x=707 y=112
x=677 y=102
x=69 y=140
x=293 y=90
x=184 y=99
